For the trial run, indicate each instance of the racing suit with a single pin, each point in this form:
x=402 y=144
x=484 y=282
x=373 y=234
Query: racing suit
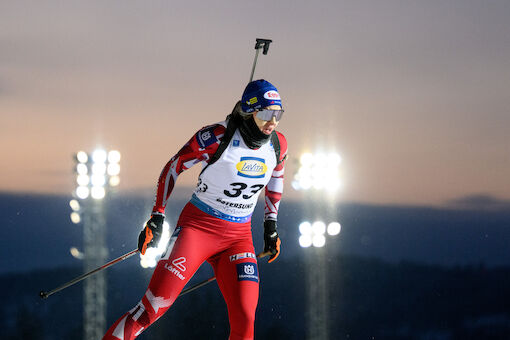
x=214 y=226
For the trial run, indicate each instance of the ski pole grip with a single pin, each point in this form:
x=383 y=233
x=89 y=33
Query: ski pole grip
x=264 y=43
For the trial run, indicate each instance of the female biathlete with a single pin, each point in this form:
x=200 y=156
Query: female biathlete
x=240 y=157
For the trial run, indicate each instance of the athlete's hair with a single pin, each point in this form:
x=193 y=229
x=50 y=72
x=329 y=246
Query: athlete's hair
x=238 y=110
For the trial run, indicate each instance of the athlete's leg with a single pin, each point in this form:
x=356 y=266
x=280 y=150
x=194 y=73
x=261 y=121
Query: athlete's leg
x=237 y=275
x=171 y=274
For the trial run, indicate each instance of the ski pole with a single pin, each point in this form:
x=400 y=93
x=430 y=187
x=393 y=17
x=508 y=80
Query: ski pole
x=45 y=295
x=211 y=279
x=261 y=43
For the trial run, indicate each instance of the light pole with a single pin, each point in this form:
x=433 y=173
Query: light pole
x=96 y=174
x=318 y=176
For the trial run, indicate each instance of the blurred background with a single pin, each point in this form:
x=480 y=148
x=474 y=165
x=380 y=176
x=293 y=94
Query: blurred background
x=396 y=207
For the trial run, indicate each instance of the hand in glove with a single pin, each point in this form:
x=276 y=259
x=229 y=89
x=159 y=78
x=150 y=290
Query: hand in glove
x=271 y=240
x=151 y=233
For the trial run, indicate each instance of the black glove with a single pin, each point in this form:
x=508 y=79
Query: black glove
x=151 y=233
x=271 y=240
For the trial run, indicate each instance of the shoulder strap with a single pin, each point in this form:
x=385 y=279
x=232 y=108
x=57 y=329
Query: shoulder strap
x=227 y=137
x=276 y=146
x=232 y=123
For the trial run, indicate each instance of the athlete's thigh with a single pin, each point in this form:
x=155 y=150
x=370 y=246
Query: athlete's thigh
x=182 y=261
x=237 y=275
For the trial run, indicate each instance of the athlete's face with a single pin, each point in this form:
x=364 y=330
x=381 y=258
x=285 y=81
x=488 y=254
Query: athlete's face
x=267 y=126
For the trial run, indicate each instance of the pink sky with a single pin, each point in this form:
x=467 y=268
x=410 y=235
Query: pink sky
x=413 y=95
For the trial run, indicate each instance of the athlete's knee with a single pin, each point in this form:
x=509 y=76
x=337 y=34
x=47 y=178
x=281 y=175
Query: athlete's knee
x=242 y=324
x=245 y=317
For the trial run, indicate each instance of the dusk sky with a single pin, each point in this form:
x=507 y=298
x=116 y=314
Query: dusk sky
x=414 y=95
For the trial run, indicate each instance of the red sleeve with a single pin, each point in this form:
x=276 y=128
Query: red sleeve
x=274 y=188
x=199 y=148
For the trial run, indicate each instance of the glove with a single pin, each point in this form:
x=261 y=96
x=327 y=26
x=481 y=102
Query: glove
x=151 y=233
x=271 y=240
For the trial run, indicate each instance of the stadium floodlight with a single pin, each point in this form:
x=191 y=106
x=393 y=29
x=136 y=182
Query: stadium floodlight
x=305 y=240
x=82 y=157
x=318 y=171
x=99 y=156
x=82 y=169
x=318 y=240
x=318 y=230
x=152 y=254
x=114 y=181
x=82 y=180
x=306 y=159
x=74 y=204
x=113 y=156
x=97 y=192
x=305 y=228
x=76 y=253
x=97 y=180
x=113 y=169
x=82 y=192
x=334 y=228
x=98 y=168
x=96 y=173
x=312 y=234
x=75 y=217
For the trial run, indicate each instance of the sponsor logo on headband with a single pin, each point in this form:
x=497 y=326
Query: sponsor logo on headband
x=272 y=95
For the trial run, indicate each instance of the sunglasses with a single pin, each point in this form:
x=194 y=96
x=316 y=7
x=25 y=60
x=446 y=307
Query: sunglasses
x=268 y=115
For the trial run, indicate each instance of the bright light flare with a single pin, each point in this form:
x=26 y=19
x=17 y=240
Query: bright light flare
x=153 y=254
x=82 y=157
x=75 y=217
x=334 y=228
x=319 y=228
x=113 y=169
x=335 y=159
x=306 y=159
x=319 y=171
x=75 y=205
x=99 y=156
x=82 y=180
x=305 y=241
x=97 y=180
x=113 y=156
x=318 y=240
x=76 y=253
x=97 y=193
x=82 y=169
x=98 y=168
x=114 y=181
x=312 y=234
x=305 y=228
x=82 y=192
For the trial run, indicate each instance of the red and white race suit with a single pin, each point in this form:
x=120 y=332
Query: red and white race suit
x=215 y=226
